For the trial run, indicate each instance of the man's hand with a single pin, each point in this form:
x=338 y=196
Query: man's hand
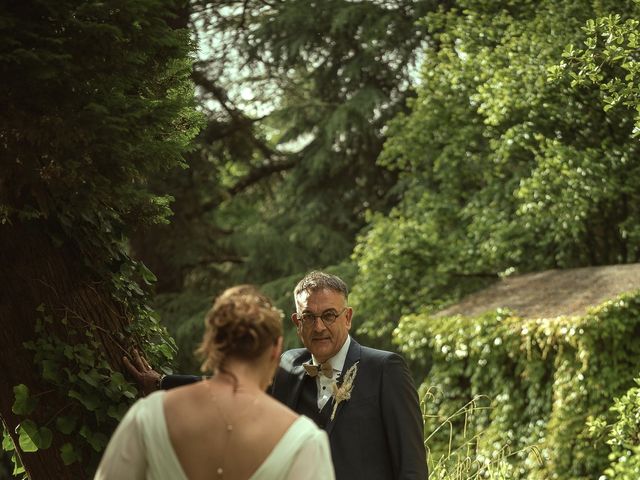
x=146 y=377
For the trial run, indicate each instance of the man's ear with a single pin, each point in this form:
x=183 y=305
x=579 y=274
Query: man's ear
x=349 y=314
x=298 y=323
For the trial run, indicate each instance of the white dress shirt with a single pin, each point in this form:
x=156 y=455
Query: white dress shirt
x=324 y=384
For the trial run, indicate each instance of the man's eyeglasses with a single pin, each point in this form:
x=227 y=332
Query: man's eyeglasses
x=309 y=319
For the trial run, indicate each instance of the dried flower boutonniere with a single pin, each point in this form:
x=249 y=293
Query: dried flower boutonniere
x=343 y=392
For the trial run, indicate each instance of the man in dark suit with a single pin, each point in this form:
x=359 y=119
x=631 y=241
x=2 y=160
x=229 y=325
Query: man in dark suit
x=375 y=433
x=364 y=398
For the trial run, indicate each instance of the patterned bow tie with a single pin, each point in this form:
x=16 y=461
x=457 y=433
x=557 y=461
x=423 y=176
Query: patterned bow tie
x=323 y=369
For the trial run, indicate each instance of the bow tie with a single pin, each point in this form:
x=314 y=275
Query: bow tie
x=323 y=369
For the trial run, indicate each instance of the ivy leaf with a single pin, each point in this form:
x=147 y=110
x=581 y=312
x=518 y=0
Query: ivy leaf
x=98 y=441
x=18 y=468
x=117 y=411
x=129 y=394
x=28 y=431
x=68 y=454
x=32 y=438
x=50 y=371
x=66 y=423
x=147 y=275
x=23 y=404
x=45 y=438
x=90 y=402
x=7 y=441
x=165 y=350
x=84 y=355
x=118 y=380
x=92 y=377
x=118 y=387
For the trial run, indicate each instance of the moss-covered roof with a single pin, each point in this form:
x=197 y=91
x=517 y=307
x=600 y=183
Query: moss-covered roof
x=551 y=293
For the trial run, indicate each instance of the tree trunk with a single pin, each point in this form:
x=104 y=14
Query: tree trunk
x=36 y=271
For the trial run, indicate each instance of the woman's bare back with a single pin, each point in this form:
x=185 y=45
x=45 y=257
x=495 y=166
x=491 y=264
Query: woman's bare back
x=217 y=433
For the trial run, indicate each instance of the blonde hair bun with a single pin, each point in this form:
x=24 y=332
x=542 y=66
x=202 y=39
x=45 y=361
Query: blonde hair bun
x=242 y=323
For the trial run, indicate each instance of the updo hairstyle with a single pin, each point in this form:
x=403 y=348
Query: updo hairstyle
x=241 y=324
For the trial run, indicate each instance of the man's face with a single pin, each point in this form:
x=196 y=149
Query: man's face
x=323 y=341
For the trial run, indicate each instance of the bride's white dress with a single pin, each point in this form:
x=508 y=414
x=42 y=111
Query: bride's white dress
x=141 y=449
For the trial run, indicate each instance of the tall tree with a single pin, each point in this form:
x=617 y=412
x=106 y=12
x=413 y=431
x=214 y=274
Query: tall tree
x=96 y=99
x=501 y=168
x=296 y=108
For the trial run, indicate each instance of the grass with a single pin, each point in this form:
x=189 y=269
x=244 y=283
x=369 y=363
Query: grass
x=462 y=459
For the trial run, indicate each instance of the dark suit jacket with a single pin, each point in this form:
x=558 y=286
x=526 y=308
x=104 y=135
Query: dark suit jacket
x=378 y=432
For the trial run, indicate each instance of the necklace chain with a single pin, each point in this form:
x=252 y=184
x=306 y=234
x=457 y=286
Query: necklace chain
x=228 y=426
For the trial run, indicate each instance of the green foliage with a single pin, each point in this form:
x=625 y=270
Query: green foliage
x=296 y=106
x=543 y=379
x=272 y=248
x=96 y=99
x=183 y=315
x=500 y=168
x=24 y=404
x=105 y=104
x=348 y=68
x=607 y=61
x=33 y=438
x=10 y=455
x=606 y=65
x=389 y=256
x=623 y=435
x=97 y=397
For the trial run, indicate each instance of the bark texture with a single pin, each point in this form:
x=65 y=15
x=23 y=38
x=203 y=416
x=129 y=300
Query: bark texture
x=36 y=271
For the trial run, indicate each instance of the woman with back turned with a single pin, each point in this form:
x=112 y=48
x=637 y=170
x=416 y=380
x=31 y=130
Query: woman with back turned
x=226 y=427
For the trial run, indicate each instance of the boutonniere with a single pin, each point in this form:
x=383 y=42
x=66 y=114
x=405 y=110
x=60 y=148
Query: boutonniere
x=343 y=392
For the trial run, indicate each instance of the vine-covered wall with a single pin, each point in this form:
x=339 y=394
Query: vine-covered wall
x=536 y=389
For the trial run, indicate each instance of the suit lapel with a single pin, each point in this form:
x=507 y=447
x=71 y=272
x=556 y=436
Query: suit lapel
x=353 y=356
x=297 y=376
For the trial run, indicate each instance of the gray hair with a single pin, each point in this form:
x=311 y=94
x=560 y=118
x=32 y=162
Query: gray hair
x=316 y=280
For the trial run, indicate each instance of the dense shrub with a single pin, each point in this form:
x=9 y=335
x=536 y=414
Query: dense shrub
x=543 y=380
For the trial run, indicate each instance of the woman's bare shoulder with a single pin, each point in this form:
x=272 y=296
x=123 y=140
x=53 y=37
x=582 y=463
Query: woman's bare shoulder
x=279 y=410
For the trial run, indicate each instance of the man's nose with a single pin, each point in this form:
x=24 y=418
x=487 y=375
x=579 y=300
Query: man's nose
x=319 y=325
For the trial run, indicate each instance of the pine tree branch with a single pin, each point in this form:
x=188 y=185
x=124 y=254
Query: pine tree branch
x=238 y=119
x=282 y=164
